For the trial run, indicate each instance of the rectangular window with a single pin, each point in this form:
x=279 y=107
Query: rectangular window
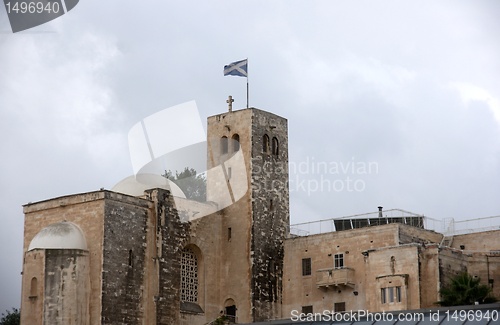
x=398 y=294
x=229 y=233
x=307 y=309
x=339 y=261
x=390 y=292
x=339 y=307
x=382 y=296
x=306 y=266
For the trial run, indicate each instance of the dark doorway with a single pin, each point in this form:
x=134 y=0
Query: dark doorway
x=231 y=310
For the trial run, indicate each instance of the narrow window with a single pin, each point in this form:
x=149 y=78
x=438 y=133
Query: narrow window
x=398 y=294
x=306 y=266
x=229 y=234
x=339 y=261
x=223 y=145
x=382 y=296
x=34 y=287
x=265 y=143
x=307 y=310
x=339 y=307
x=236 y=142
x=271 y=207
x=229 y=172
x=275 y=146
x=130 y=258
x=390 y=292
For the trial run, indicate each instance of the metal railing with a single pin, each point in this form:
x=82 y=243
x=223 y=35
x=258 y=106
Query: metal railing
x=446 y=226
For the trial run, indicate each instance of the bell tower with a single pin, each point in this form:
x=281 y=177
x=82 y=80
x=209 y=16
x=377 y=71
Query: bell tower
x=248 y=179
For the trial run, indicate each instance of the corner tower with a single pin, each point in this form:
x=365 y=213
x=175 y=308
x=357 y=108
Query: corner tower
x=248 y=157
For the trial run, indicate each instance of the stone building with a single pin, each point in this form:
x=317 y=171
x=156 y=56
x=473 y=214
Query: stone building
x=385 y=267
x=144 y=254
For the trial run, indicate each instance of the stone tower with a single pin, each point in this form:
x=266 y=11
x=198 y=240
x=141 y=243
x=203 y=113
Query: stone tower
x=251 y=147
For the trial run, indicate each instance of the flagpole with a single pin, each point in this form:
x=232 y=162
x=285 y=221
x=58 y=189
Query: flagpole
x=247 y=84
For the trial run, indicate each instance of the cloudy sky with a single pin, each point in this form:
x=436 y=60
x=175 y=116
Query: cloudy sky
x=411 y=87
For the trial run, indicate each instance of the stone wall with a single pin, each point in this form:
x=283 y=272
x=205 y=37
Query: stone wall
x=355 y=245
x=33 y=288
x=429 y=275
x=172 y=235
x=391 y=267
x=451 y=263
x=85 y=210
x=66 y=294
x=409 y=234
x=270 y=212
x=253 y=226
x=484 y=242
x=124 y=256
x=235 y=217
x=482 y=265
x=377 y=255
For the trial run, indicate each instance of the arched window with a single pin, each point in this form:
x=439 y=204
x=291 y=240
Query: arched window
x=223 y=145
x=236 y=142
x=189 y=276
x=34 y=287
x=275 y=146
x=265 y=143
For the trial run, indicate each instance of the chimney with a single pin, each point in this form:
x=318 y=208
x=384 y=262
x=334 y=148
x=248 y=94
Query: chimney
x=380 y=215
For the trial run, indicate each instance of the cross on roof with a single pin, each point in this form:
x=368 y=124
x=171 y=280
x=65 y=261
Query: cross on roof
x=230 y=101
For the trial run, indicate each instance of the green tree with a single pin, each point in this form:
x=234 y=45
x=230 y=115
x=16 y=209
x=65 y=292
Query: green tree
x=11 y=318
x=464 y=289
x=193 y=185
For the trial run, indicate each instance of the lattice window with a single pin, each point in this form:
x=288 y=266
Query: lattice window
x=189 y=276
x=306 y=266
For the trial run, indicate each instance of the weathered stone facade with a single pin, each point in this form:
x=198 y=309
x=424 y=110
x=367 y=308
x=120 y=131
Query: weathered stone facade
x=390 y=267
x=159 y=259
x=136 y=244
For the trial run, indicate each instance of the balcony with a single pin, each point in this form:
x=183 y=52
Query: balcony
x=332 y=277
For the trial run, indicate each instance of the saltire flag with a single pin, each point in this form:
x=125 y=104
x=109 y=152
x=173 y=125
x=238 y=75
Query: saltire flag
x=239 y=68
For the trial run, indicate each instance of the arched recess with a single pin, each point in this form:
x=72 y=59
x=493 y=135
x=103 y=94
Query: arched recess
x=224 y=145
x=34 y=287
x=265 y=143
x=235 y=142
x=275 y=146
x=230 y=308
x=192 y=289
